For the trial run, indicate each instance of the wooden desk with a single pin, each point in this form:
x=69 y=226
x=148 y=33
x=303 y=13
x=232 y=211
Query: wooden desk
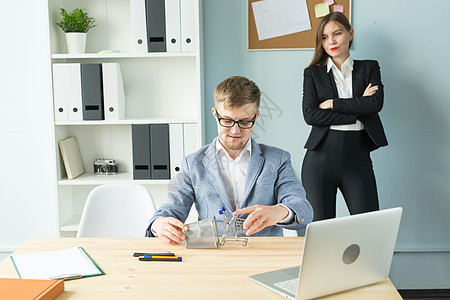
x=204 y=273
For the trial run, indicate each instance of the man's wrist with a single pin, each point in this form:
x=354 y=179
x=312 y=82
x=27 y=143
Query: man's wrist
x=151 y=227
x=153 y=232
x=289 y=217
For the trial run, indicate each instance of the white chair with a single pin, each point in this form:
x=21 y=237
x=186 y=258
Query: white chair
x=116 y=210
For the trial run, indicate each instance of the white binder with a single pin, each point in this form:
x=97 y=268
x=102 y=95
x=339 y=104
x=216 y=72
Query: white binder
x=60 y=92
x=190 y=138
x=67 y=92
x=188 y=16
x=173 y=30
x=74 y=89
x=139 y=25
x=176 y=141
x=113 y=92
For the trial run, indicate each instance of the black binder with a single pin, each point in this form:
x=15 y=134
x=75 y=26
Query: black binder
x=141 y=151
x=159 y=151
x=92 y=91
x=156 y=25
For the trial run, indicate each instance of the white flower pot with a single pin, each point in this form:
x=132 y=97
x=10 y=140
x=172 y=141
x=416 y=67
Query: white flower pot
x=76 y=42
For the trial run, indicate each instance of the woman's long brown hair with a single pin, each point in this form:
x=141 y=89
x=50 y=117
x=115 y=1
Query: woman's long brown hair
x=320 y=55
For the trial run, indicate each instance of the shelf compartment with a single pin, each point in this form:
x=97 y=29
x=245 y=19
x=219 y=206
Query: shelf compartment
x=71 y=225
x=160 y=89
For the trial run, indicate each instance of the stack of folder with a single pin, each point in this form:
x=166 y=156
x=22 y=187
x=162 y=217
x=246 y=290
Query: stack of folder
x=163 y=25
x=151 y=156
x=158 y=149
x=88 y=92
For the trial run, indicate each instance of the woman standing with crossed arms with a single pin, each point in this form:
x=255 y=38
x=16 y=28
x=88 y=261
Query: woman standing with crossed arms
x=341 y=101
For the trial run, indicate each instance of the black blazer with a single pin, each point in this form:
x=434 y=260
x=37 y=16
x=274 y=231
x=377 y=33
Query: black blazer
x=318 y=86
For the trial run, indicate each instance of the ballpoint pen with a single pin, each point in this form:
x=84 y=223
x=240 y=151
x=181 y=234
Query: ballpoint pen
x=136 y=254
x=160 y=258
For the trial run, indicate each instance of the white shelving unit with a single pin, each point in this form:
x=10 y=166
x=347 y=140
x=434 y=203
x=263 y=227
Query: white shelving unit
x=159 y=88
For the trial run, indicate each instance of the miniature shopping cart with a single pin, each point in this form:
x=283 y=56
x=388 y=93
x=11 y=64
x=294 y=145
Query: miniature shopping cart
x=232 y=228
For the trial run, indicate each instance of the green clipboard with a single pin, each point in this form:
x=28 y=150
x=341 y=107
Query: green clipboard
x=67 y=264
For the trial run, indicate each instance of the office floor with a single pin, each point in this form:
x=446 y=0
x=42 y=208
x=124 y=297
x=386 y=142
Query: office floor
x=425 y=294
x=446 y=298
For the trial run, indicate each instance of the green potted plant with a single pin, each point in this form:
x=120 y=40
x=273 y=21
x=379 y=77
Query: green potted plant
x=75 y=24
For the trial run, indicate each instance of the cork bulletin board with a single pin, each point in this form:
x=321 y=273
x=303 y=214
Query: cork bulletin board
x=300 y=40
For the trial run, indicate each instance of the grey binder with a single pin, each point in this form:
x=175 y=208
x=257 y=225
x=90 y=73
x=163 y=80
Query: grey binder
x=156 y=25
x=159 y=151
x=92 y=92
x=141 y=151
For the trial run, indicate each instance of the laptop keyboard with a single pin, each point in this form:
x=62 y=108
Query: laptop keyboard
x=288 y=285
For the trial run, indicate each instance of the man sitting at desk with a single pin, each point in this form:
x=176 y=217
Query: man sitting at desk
x=235 y=172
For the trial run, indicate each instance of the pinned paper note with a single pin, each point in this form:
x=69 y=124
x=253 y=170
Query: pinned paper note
x=339 y=8
x=321 y=9
x=329 y=2
x=274 y=18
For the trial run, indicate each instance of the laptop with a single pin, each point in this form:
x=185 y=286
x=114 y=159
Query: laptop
x=338 y=255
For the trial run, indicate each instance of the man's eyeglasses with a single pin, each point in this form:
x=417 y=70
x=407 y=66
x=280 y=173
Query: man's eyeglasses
x=243 y=124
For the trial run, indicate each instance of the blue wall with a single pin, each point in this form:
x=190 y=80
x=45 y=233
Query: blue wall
x=410 y=40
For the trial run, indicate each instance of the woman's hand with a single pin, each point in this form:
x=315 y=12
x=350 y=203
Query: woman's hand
x=327 y=104
x=370 y=90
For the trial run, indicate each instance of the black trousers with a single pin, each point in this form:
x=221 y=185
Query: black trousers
x=341 y=161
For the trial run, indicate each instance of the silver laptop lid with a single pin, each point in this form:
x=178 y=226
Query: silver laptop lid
x=347 y=252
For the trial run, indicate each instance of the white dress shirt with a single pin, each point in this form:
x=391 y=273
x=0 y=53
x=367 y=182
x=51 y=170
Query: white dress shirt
x=234 y=174
x=344 y=85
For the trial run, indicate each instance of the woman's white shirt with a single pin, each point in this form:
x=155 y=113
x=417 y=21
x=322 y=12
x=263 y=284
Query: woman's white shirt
x=344 y=85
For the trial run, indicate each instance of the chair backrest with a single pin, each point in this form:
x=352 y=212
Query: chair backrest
x=116 y=210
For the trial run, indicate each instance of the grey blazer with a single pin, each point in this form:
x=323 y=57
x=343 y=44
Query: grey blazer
x=270 y=180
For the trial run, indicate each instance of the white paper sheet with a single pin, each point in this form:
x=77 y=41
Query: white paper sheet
x=67 y=263
x=275 y=18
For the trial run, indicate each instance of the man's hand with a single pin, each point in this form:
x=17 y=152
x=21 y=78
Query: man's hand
x=261 y=216
x=169 y=229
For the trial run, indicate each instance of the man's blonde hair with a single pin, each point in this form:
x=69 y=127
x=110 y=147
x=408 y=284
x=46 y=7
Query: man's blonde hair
x=236 y=91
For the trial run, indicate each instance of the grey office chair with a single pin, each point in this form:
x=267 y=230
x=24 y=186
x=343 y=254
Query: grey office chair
x=116 y=210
